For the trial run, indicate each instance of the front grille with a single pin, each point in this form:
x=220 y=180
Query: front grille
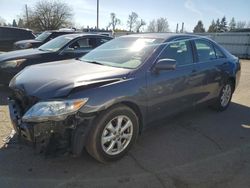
x=24 y=101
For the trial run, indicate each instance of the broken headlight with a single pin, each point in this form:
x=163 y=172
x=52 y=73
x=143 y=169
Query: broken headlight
x=53 y=110
x=12 y=63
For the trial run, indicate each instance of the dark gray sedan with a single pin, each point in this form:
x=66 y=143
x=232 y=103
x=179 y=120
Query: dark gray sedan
x=103 y=100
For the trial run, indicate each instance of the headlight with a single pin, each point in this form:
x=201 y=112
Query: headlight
x=12 y=63
x=53 y=110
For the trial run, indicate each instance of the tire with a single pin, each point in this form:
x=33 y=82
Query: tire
x=224 y=99
x=113 y=134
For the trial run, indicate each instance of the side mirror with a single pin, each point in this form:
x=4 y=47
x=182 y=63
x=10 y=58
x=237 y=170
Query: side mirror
x=165 y=64
x=68 y=51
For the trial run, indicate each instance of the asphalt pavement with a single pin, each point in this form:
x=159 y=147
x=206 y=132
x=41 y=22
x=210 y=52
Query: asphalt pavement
x=197 y=148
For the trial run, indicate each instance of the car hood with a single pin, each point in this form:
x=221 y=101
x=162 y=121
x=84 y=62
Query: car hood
x=32 y=41
x=57 y=79
x=19 y=54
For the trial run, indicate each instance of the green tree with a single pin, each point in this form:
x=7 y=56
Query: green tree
x=223 y=25
x=232 y=24
x=14 y=23
x=20 y=23
x=217 y=25
x=212 y=27
x=199 y=28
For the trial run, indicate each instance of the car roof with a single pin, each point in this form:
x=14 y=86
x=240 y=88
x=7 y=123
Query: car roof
x=15 y=28
x=165 y=36
x=75 y=35
x=57 y=31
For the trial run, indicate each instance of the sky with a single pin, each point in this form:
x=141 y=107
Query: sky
x=176 y=11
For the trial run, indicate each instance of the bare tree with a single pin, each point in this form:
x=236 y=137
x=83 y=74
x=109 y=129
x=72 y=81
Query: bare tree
x=241 y=24
x=159 y=25
x=2 y=21
x=162 y=25
x=139 y=25
x=49 y=15
x=132 y=20
x=114 y=21
x=152 y=26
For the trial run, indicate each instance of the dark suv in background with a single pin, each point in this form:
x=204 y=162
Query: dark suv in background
x=9 y=35
x=40 y=39
x=61 y=48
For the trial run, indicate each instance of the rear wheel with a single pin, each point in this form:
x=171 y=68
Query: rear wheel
x=224 y=99
x=114 y=132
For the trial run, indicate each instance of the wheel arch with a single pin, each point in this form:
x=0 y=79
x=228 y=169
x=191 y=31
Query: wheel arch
x=138 y=112
x=233 y=81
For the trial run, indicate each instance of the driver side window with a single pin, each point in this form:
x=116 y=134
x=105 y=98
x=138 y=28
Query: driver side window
x=179 y=51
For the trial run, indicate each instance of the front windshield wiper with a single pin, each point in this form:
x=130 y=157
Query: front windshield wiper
x=93 y=62
x=41 y=49
x=45 y=50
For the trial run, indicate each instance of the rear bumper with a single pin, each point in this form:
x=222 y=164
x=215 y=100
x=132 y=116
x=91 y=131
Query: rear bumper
x=238 y=75
x=70 y=134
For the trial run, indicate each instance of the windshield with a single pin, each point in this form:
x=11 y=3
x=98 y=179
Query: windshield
x=56 y=44
x=124 y=52
x=43 y=36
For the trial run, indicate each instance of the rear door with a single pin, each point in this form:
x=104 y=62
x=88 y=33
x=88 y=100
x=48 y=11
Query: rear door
x=172 y=91
x=209 y=68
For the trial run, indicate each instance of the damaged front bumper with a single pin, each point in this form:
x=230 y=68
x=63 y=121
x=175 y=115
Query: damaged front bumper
x=69 y=134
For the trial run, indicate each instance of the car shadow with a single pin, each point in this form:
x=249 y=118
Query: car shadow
x=191 y=136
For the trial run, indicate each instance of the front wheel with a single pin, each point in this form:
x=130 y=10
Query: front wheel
x=114 y=132
x=224 y=99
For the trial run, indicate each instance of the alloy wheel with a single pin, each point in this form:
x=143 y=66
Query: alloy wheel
x=117 y=135
x=226 y=95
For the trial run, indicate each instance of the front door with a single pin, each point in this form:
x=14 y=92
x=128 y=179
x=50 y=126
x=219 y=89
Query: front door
x=172 y=91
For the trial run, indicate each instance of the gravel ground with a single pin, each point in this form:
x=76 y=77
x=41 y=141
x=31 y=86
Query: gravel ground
x=199 y=148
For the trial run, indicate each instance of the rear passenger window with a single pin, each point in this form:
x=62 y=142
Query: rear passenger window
x=180 y=51
x=205 y=50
